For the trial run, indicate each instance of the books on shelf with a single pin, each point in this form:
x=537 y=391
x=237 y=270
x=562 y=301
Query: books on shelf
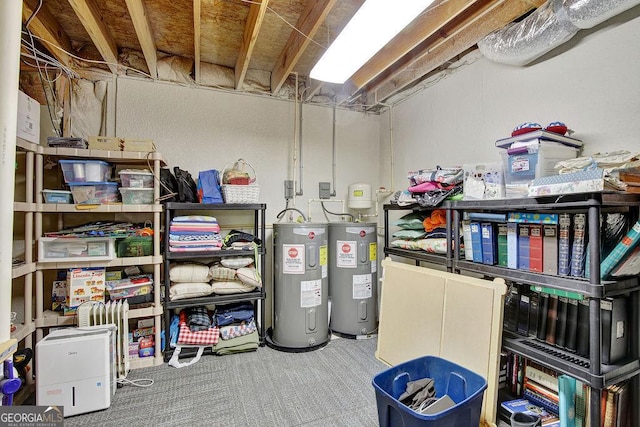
x=550 y=249
x=564 y=244
x=476 y=241
x=468 y=246
x=582 y=336
x=512 y=245
x=561 y=324
x=523 y=247
x=535 y=247
x=579 y=245
x=629 y=265
x=571 y=325
x=552 y=320
x=628 y=242
x=489 y=243
x=567 y=402
x=502 y=245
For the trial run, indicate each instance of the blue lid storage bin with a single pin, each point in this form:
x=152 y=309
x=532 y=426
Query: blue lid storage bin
x=85 y=170
x=463 y=386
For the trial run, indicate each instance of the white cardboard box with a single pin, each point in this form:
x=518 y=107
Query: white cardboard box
x=28 y=118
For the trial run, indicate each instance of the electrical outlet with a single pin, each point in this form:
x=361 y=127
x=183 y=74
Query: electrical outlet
x=324 y=188
x=288 y=189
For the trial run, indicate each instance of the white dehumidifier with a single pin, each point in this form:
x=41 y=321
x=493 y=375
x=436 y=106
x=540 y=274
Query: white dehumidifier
x=75 y=369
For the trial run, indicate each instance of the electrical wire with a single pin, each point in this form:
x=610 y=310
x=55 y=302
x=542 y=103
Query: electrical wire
x=141 y=382
x=353 y=218
x=286 y=22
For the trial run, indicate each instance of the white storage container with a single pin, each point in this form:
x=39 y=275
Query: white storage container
x=63 y=249
x=85 y=170
x=136 y=178
x=535 y=161
x=137 y=196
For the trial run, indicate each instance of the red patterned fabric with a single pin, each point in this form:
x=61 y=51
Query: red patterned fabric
x=186 y=337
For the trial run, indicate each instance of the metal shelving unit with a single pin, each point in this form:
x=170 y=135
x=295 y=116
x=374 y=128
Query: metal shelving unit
x=589 y=370
x=418 y=256
x=257 y=297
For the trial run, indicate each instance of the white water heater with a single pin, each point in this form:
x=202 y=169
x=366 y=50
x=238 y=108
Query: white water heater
x=359 y=196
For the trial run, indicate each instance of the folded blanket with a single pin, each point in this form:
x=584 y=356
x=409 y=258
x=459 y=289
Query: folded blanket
x=194 y=218
x=234 y=331
x=198 y=319
x=236 y=345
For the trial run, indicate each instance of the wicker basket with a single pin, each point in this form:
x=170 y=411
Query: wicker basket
x=249 y=193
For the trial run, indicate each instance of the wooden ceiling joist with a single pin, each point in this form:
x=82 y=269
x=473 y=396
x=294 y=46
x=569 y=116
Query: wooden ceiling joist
x=48 y=30
x=312 y=17
x=257 y=11
x=89 y=14
x=424 y=26
x=196 y=38
x=469 y=31
x=145 y=36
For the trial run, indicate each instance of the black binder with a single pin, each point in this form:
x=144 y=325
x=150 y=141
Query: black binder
x=561 y=327
x=543 y=310
x=582 y=337
x=572 y=325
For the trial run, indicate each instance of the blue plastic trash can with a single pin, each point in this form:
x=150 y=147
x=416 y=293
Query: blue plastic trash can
x=464 y=387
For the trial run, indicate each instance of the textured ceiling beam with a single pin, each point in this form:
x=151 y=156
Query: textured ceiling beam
x=44 y=26
x=89 y=14
x=309 y=22
x=465 y=35
x=145 y=37
x=424 y=26
x=257 y=11
x=196 y=38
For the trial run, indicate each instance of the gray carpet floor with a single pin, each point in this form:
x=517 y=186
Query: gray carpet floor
x=330 y=386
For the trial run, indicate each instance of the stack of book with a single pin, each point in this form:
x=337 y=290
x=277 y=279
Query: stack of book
x=545 y=243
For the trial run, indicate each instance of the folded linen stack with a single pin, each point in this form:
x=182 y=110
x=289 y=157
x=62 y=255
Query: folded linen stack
x=194 y=233
x=238 y=331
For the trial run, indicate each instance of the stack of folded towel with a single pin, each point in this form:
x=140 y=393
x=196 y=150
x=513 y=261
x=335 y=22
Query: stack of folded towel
x=194 y=233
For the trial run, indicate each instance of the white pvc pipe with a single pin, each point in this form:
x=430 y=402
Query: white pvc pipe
x=10 y=26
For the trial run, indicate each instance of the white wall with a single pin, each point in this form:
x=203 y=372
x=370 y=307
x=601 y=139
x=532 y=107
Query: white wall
x=200 y=129
x=591 y=83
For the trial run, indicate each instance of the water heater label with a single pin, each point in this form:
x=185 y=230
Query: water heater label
x=362 y=286
x=347 y=254
x=293 y=259
x=310 y=293
x=324 y=262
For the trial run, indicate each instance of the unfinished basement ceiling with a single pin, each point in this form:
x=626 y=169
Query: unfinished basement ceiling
x=251 y=46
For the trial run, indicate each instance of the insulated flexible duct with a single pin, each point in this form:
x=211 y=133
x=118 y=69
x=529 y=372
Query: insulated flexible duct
x=548 y=27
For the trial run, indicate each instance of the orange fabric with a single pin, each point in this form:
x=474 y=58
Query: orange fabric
x=435 y=220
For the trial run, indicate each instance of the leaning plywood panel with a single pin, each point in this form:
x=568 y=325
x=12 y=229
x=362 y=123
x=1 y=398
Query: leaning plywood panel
x=411 y=315
x=430 y=312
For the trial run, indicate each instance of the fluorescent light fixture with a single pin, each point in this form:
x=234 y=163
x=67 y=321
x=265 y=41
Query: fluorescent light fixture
x=370 y=29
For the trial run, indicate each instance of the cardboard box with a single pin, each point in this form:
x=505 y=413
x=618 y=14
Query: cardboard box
x=58 y=294
x=85 y=284
x=28 y=118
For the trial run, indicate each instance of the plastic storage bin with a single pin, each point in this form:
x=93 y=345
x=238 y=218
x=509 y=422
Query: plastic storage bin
x=63 y=249
x=137 y=196
x=126 y=288
x=136 y=178
x=94 y=192
x=85 y=170
x=57 y=196
x=135 y=246
x=464 y=387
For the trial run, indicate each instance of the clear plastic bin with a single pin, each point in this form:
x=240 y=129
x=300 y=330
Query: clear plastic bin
x=137 y=196
x=136 y=178
x=57 y=196
x=94 y=192
x=85 y=170
x=464 y=387
x=526 y=163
